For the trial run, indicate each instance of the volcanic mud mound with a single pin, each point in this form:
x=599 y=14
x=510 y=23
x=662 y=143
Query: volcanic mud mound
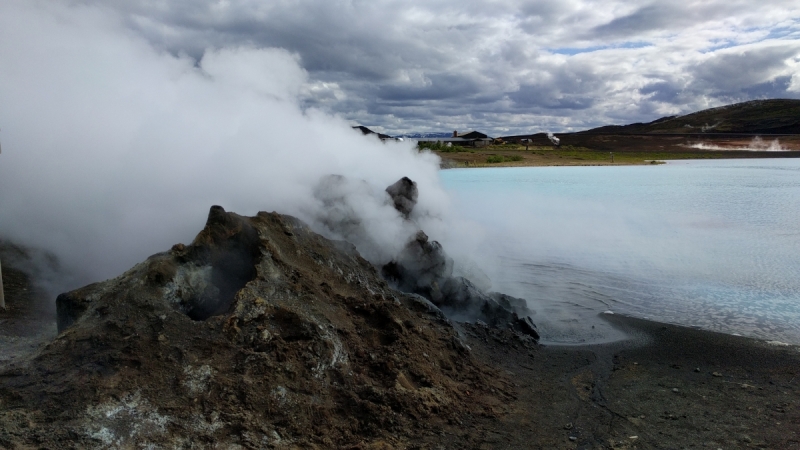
x=421 y=266
x=259 y=334
x=424 y=268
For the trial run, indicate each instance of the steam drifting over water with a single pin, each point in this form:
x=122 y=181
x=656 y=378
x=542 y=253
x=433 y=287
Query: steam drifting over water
x=114 y=150
x=756 y=145
x=708 y=243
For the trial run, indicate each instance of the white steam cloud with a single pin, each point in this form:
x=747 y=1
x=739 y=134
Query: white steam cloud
x=757 y=144
x=556 y=141
x=114 y=150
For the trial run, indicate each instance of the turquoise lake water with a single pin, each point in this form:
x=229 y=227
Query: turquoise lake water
x=711 y=244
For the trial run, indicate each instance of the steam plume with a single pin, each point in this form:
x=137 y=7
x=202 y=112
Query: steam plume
x=556 y=141
x=114 y=150
x=757 y=144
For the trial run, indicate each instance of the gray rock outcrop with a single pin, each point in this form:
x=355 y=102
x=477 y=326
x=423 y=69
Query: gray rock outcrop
x=424 y=268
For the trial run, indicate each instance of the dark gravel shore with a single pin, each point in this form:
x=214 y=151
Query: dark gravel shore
x=668 y=387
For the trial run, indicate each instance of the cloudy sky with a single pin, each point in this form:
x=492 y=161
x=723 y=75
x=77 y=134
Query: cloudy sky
x=503 y=66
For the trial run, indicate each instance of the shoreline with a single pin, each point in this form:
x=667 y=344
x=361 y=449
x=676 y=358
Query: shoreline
x=667 y=386
x=589 y=149
x=448 y=164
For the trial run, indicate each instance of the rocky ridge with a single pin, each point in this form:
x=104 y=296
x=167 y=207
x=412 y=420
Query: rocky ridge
x=260 y=333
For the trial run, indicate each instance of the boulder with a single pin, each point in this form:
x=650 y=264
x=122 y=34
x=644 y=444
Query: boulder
x=463 y=301
x=420 y=267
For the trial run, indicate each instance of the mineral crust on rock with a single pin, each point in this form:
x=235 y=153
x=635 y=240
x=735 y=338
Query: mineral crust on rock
x=259 y=334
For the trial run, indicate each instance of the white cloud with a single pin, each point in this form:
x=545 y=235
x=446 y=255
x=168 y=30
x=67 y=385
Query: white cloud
x=390 y=63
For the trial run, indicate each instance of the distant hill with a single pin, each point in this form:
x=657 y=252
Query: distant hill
x=778 y=116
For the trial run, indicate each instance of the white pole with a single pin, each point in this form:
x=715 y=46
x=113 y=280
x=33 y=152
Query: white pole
x=2 y=296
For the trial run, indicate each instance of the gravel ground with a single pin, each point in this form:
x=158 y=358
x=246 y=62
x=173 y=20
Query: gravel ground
x=668 y=387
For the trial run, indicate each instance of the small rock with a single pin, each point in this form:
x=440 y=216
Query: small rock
x=568 y=426
x=675 y=390
x=573 y=438
x=697 y=369
x=633 y=437
x=716 y=374
x=404 y=194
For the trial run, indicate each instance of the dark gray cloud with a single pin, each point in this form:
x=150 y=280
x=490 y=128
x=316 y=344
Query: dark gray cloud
x=769 y=89
x=739 y=70
x=647 y=18
x=534 y=95
x=662 y=91
x=499 y=66
x=671 y=16
x=437 y=86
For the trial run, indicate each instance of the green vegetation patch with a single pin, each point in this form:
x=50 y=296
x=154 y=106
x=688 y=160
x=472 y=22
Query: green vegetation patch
x=494 y=159
x=442 y=147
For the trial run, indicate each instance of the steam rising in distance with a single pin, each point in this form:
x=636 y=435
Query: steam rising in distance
x=757 y=144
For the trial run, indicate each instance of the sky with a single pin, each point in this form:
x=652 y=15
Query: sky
x=502 y=67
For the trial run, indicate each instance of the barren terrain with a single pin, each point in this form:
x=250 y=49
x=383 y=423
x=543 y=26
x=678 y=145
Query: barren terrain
x=134 y=373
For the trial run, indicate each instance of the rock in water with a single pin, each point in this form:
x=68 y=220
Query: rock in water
x=404 y=194
x=259 y=334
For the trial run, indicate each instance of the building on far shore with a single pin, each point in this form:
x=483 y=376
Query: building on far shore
x=469 y=139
